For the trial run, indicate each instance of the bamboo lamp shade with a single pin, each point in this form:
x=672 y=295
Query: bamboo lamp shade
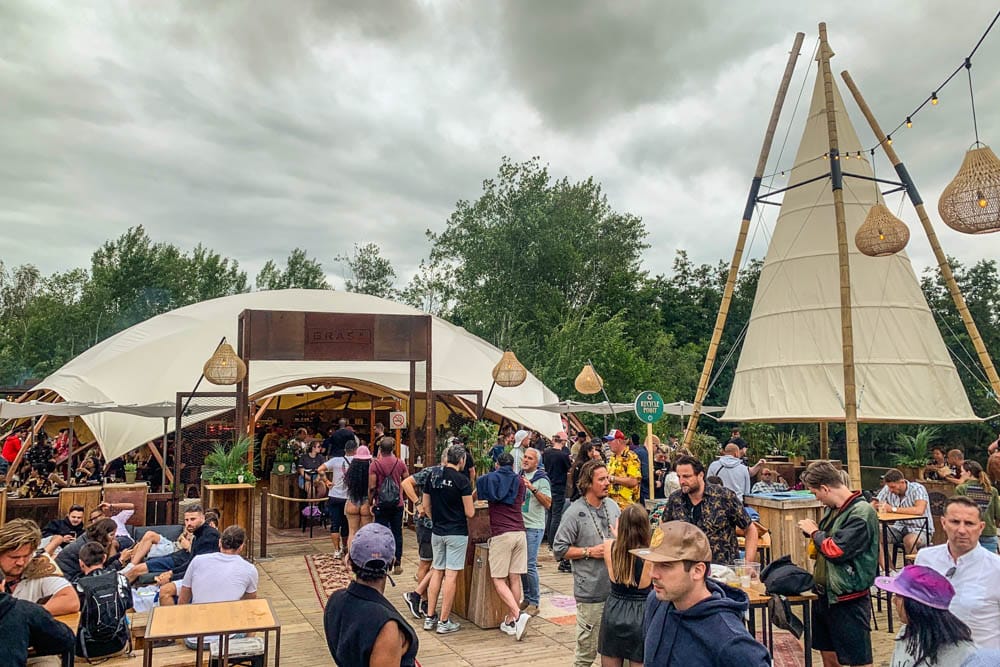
x=225 y=367
x=588 y=381
x=971 y=202
x=882 y=234
x=509 y=372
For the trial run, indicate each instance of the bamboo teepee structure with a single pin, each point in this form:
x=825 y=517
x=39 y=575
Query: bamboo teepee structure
x=835 y=335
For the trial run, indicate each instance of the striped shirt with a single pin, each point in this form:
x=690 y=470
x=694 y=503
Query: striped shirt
x=914 y=491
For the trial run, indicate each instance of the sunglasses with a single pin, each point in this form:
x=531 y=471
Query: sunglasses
x=951 y=572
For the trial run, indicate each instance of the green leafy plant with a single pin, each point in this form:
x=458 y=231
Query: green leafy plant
x=225 y=465
x=704 y=447
x=285 y=453
x=792 y=444
x=479 y=438
x=131 y=467
x=914 y=450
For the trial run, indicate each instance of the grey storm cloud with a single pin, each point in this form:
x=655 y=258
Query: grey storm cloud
x=257 y=127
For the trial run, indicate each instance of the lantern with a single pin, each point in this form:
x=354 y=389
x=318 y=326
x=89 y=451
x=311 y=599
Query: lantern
x=509 y=372
x=225 y=366
x=882 y=234
x=971 y=202
x=588 y=381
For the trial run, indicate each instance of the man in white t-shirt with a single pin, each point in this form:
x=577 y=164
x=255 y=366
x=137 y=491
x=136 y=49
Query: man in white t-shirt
x=337 y=495
x=972 y=570
x=220 y=577
x=27 y=578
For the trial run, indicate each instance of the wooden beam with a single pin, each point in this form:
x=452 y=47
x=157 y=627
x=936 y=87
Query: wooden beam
x=159 y=457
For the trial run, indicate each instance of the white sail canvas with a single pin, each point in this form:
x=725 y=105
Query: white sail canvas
x=791 y=365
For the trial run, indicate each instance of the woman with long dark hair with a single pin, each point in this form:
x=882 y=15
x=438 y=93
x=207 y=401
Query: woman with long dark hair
x=621 y=635
x=932 y=636
x=358 y=507
x=975 y=484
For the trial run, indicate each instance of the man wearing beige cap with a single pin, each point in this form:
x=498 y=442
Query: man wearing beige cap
x=690 y=620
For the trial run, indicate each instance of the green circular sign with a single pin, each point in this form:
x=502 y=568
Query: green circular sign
x=649 y=407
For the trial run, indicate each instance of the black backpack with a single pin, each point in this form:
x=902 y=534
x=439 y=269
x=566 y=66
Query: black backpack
x=783 y=577
x=104 y=629
x=388 y=496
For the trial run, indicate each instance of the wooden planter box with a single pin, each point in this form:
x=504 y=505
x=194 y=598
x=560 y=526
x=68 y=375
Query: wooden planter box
x=284 y=513
x=235 y=505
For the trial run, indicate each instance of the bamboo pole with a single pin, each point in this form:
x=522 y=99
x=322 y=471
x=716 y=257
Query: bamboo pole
x=734 y=266
x=843 y=260
x=925 y=221
x=824 y=440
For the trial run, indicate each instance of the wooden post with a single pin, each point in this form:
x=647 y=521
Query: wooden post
x=734 y=266
x=843 y=260
x=263 y=523
x=824 y=440
x=925 y=222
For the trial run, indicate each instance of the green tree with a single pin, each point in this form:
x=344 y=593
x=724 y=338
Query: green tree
x=369 y=271
x=300 y=272
x=431 y=288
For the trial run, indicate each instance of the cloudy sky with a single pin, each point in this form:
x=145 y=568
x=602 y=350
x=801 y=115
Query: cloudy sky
x=256 y=127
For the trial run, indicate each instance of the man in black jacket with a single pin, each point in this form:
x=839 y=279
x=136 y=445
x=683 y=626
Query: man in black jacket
x=24 y=624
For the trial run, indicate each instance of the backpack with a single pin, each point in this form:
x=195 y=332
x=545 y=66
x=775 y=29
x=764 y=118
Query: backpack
x=388 y=496
x=104 y=629
x=783 y=577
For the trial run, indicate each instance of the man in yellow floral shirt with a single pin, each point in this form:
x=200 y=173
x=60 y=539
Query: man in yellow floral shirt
x=624 y=470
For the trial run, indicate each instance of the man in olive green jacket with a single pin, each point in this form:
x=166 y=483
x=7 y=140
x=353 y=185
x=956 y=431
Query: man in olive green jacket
x=845 y=543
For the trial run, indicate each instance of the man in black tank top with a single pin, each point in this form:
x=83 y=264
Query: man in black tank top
x=361 y=626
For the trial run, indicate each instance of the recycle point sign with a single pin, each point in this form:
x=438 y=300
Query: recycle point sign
x=649 y=407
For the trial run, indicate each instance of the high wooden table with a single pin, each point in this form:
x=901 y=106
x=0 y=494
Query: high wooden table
x=885 y=520
x=758 y=602
x=781 y=513
x=212 y=618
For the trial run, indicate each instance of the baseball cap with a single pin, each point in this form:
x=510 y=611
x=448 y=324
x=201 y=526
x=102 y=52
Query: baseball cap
x=561 y=435
x=373 y=547
x=363 y=453
x=520 y=437
x=920 y=583
x=615 y=434
x=681 y=541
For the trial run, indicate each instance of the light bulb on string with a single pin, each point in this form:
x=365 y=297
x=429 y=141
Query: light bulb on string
x=888 y=140
x=934 y=99
x=909 y=122
x=981 y=199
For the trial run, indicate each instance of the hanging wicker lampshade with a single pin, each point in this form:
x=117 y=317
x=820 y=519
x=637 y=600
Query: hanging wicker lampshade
x=882 y=234
x=509 y=372
x=588 y=381
x=225 y=366
x=971 y=202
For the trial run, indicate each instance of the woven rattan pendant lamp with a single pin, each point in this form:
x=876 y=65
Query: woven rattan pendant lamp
x=971 y=202
x=225 y=367
x=509 y=372
x=588 y=381
x=882 y=234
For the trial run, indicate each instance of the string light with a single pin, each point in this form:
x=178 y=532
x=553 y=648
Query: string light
x=888 y=140
x=981 y=199
x=934 y=99
x=909 y=123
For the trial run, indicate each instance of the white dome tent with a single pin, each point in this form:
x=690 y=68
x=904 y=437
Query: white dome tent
x=153 y=360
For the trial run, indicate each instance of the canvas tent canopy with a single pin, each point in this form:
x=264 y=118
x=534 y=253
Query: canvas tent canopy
x=791 y=365
x=155 y=359
x=680 y=408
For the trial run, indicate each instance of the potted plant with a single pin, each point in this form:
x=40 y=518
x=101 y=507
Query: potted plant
x=284 y=459
x=914 y=451
x=479 y=439
x=130 y=471
x=228 y=465
x=793 y=445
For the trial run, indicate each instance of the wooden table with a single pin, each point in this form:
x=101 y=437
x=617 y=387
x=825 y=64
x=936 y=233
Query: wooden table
x=781 y=513
x=72 y=620
x=885 y=519
x=763 y=548
x=758 y=601
x=212 y=618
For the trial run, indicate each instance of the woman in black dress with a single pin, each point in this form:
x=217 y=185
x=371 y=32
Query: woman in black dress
x=621 y=625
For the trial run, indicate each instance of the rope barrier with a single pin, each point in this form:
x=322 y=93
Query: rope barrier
x=296 y=500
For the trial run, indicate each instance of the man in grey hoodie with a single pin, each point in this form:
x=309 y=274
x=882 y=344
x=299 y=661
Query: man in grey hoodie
x=585 y=525
x=730 y=469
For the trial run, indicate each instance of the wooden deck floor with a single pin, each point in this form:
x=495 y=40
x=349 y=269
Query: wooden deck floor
x=285 y=580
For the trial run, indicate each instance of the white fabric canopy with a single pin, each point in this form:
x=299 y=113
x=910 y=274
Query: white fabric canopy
x=27 y=409
x=566 y=407
x=153 y=360
x=791 y=364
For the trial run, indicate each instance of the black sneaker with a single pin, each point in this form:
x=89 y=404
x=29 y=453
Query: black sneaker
x=413 y=603
x=564 y=566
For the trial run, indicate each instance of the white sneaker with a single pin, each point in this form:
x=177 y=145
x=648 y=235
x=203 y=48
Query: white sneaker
x=338 y=554
x=520 y=625
x=509 y=628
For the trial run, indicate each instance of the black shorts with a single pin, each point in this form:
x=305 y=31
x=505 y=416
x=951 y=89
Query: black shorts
x=424 y=550
x=335 y=509
x=844 y=628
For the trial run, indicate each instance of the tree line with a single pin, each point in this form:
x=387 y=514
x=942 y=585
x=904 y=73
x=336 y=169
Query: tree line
x=543 y=266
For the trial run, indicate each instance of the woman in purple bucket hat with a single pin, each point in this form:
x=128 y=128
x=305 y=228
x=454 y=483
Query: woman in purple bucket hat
x=932 y=636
